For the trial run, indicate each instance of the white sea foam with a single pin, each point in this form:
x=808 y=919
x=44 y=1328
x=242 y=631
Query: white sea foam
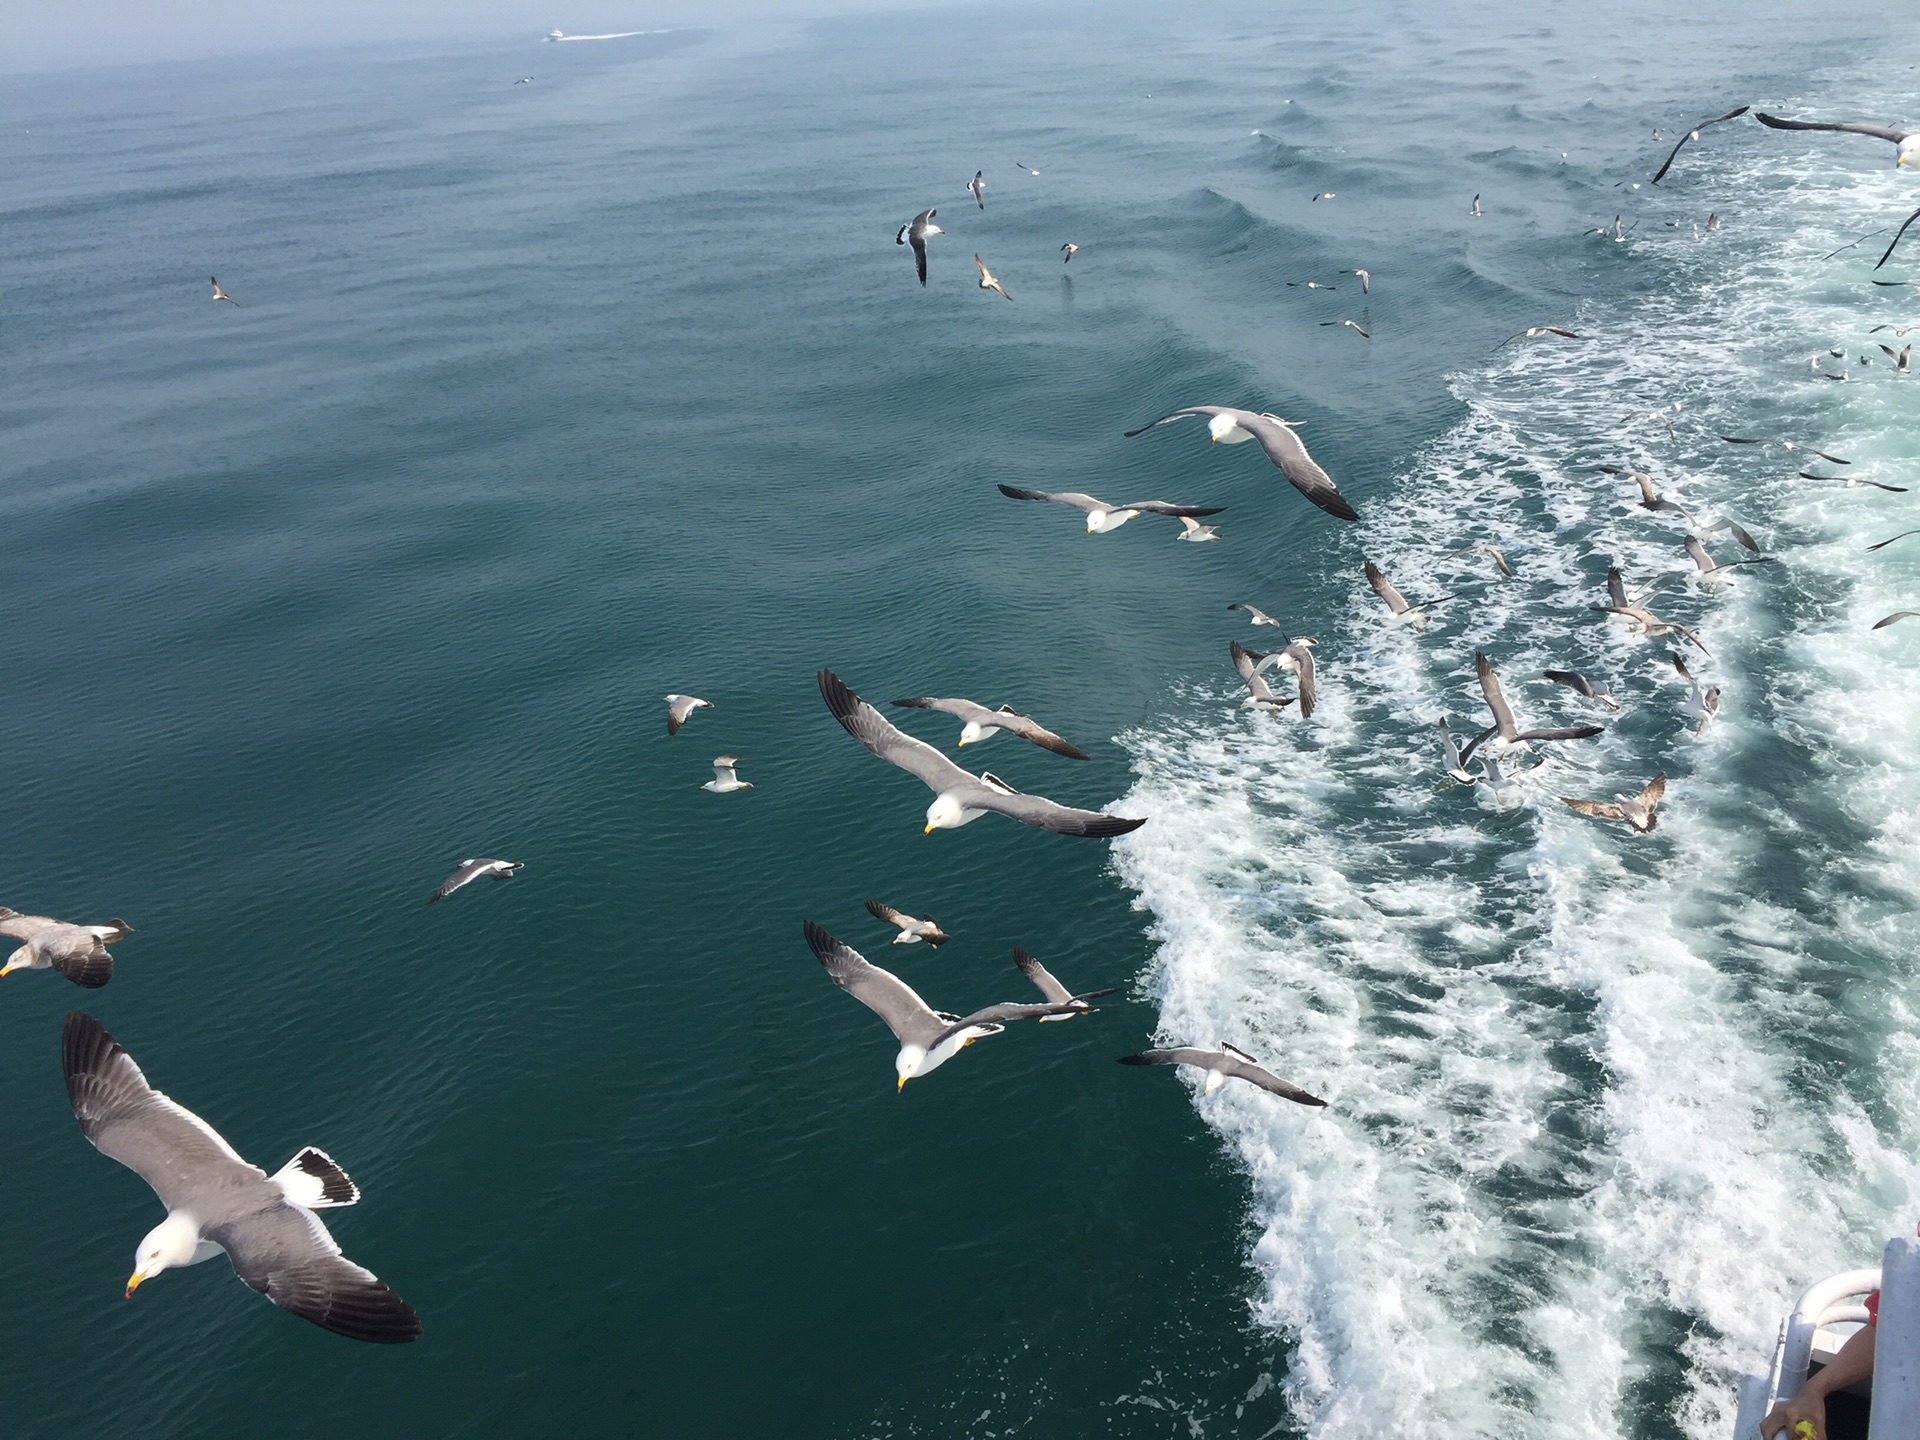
x=1600 y=1103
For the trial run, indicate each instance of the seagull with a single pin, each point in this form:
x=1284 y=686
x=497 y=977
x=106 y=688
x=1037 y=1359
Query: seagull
x=219 y=294
x=987 y=282
x=1398 y=608
x=1707 y=568
x=1258 y=691
x=78 y=952
x=1659 y=415
x=1713 y=220
x=471 y=870
x=679 y=707
x=1102 y=517
x=958 y=796
x=1871 y=548
x=1350 y=324
x=1366 y=281
x=1786 y=445
x=1538 y=330
x=1298 y=658
x=1326 y=195
x=218 y=1203
x=1476 y=204
x=1645 y=622
x=1450 y=758
x=1504 y=734
x=1197 y=532
x=928 y=1037
x=724 y=781
x=1898 y=357
x=1028 y=168
x=1487 y=550
x=1055 y=992
x=1614 y=230
x=1853 y=482
x=1636 y=810
x=1728 y=524
x=1694 y=134
x=912 y=931
x=1598 y=692
x=1223 y=1065
x=915 y=233
x=1071 y=250
x=1899 y=331
x=1906 y=143
x=524 y=80
x=983 y=724
x=1704 y=703
x=1229 y=426
x=1309 y=285
x=977 y=187
x=1895 y=618
x=1261 y=617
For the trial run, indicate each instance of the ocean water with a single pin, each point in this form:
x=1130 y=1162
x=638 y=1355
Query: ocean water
x=545 y=400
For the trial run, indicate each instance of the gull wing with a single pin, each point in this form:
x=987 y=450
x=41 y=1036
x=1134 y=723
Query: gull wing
x=1396 y=602
x=1496 y=701
x=1656 y=787
x=1599 y=809
x=469 y=870
x=911 y=1019
x=1259 y=616
x=1786 y=445
x=1162 y=507
x=1878 y=132
x=86 y=962
x=1000 y=1015
x=1694 y=134
x=1207 y=410
x=1302 y=658
x=1573 y=680
x=1259 y=1075
x=1700 y=556
x=1039 y=975
x=967 y=710
x=286 y=1254
x=25 y=927
x=1075 y=498
x=1570 y=732
x=1896 y=237
x=1034 y=732
x=872 y=729
x=880 y=910
x=1286 y=449
x=1895 y=618
x=182 y=1157
x=1046 y=815
x=1616 y=588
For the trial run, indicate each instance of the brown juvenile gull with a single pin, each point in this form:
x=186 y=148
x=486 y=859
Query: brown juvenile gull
x=1538 y=330
x=987 y=282
x=912 y=931
x=78 y=952
x=471 y=870
x=1786 y=445
x=1399 y=609
x=980 y=723
x=1258 y=691
x=1595 y=690
x=218 y=1203
x=928 y=1037
x=1906 y=143
x=958 y=796
x=915 y=233
x=1692 y=135
x=219 y=294
x=1228 y=426
x=1703 y=703
x=1504 y=734
x=1636 y=810
x=679 y=707
x=1223 y=1065
x=1102 y=517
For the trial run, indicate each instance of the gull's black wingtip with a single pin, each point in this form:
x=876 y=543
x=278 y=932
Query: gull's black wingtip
x=1135 y=1060
x=819 y=941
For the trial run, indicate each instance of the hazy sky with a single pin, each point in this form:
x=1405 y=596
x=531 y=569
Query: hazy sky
x=56 y=36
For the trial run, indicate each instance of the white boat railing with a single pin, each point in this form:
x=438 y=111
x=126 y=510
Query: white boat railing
x=1835 y=1301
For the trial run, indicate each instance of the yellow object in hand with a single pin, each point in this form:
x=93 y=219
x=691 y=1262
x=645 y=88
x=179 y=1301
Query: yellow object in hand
x=1803 y=1430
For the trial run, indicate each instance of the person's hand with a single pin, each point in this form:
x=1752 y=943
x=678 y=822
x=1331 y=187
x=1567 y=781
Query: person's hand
x=1802 y=1418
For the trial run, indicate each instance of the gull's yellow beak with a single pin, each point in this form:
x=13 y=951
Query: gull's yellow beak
x=1213 y=439
x=928 y=830
x=896 y=1090
x=133 y=1282
x=8 y=968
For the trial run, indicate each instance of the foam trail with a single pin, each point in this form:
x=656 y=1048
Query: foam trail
x=1600 y=1104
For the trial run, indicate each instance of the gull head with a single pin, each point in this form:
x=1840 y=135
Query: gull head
x=172 y=1242
x=947 y=813
x=1101 y=521
x=1225 y=429
x=907 y=1064
x=21 y=959
x=1909 y=152
x=1215 y=1079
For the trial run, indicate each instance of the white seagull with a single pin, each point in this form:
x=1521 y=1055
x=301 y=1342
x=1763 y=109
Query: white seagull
x=1070 y=250
x=219 y=294
x=724 y=781
x=912 y=931
x=78 y=952
x=1102 y=517
x=219 y=1204
x=977 y=187
x=1906 y=143
x=680 y=707
x=471 y=870
x=958 y=797
x=1399 y=610
x=1504 y=733
x=1228 y=426
x=1704 y=701
x=1258 y=691
x=980 y=723
x=915 y=233
x=1223 y=1065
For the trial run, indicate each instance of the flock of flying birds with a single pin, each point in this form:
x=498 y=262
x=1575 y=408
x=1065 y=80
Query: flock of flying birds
x=267 y=1225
